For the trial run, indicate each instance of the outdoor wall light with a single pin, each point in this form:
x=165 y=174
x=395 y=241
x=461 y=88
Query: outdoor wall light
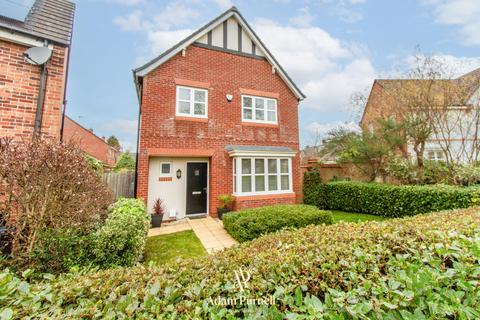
x=229 y=97
x=179 y=174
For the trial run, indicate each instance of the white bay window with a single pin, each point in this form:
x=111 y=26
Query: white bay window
x=262 y=175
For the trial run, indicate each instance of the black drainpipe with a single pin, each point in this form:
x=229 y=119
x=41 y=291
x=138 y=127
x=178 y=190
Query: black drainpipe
x=66 y=81
x=40 y=101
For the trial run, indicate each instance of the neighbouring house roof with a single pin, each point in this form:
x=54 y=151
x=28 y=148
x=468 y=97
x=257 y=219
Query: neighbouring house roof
x=47 y=19
x=468 y=85
x=202 y=33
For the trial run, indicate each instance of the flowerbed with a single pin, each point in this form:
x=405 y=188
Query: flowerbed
x=411 y=268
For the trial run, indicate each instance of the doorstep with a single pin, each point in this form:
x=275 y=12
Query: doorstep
x=168 y=228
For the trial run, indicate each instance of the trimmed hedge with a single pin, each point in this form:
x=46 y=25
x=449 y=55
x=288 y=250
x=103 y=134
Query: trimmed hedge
x=391 y=200
x=423 y=267
x=249 y=224
x=313 y=189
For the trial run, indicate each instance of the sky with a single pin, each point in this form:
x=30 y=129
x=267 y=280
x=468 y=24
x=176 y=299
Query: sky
x=331 y=48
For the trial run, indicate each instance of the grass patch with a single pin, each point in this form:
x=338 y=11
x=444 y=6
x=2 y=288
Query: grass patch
x=167 y=248
x=354 y=217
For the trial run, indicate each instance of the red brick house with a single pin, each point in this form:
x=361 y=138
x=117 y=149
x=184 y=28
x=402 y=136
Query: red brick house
x=49 y=24
x=90 y=143
x=218 y=115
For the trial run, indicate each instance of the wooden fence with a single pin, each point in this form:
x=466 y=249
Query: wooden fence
x=121 y=183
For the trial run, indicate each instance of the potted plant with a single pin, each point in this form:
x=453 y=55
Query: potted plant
x=226 y=200
x=158 y=211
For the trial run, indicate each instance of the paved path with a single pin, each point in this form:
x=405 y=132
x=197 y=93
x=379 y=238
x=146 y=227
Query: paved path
x=209 y=231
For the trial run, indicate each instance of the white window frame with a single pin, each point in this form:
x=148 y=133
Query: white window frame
x=166 y=175
x=191 y=101
x=237 y=175
x=265 y=110
x=435 y=151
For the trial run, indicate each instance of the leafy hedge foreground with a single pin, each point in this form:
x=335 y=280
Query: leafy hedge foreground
x=413 y=268
x=389 y=200
x=252 y=223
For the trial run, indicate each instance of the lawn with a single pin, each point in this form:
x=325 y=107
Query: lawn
x=166 y=248
x=354 y=217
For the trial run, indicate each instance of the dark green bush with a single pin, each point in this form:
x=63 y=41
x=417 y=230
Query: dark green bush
x=121 y=240
x=249 y=224
x=313 y=189
x=423 y=267
x=396 y=201
x=61 y=249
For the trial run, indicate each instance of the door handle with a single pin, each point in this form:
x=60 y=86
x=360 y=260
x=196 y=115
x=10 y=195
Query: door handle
x=196 y=192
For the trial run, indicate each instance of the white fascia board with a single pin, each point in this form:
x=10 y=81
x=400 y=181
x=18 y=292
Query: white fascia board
x=238 y=153
x=211 y=26
x=270 y=59
x=171 y=54
x=20 y=38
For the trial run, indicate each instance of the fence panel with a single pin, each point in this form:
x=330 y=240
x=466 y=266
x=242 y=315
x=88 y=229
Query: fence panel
x=121 y=183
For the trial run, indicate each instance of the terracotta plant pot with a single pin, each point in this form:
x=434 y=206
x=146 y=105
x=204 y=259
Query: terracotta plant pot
x=156 y=220
x=221 y=211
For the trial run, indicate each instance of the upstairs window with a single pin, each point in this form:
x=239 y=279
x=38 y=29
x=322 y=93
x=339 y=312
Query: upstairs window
x=435 y=155
x=192 y=102
x=258 y=109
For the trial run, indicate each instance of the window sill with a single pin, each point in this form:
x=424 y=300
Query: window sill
x=259 y=124
x=194 y=119
x=266 y=196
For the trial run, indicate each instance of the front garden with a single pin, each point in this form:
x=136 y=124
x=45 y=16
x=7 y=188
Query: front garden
x=305 y=260
x=411 y=268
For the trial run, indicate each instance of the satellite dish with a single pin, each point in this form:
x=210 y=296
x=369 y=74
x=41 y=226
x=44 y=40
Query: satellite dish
x=37 y=55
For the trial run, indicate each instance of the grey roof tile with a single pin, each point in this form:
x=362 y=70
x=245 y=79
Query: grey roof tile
x=47 y=19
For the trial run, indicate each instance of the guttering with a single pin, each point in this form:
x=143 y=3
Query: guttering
x=66 y=81
x=37 y=125
x=138 y=88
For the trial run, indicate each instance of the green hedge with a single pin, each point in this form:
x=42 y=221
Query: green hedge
x=422 y=267
x=249 y=224
x=120 y=241
x=391 y=200
x=313 y=189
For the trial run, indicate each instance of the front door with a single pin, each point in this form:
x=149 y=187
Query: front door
x=197 y=187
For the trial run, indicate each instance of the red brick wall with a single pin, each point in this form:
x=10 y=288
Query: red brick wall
x=226 y=73
x=89 y=142
x=19 y=85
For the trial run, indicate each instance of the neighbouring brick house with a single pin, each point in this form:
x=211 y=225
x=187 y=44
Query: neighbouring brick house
x=461 y=112
x=48 y=23
x=218 y=115
x=90 y=143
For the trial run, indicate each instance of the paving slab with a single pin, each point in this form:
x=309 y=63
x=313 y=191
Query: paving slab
x=169 y=228
x=211 y=234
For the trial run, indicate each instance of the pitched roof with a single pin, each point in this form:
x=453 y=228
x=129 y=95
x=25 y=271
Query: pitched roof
x=232 y=12
x=467 y=85
x=47 y=19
